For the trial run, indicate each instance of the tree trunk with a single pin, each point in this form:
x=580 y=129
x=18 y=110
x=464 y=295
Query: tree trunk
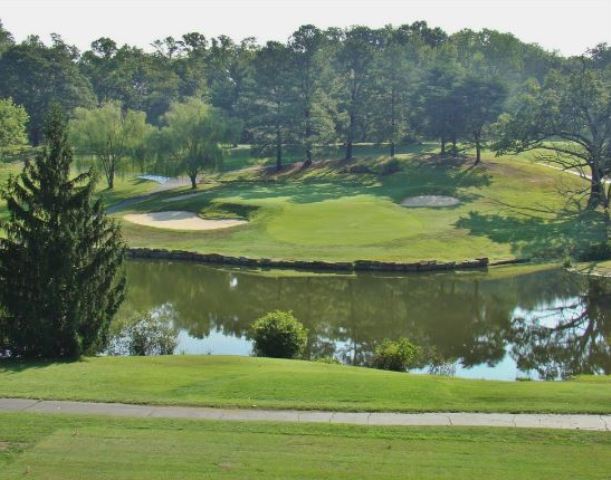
x=350 y=138
x=597 y=189
x=454 y=147
x=193 y=178
x=308 y=135
x=443 y=146
x=478 y=152
x=278 y=149
x=392 y=149
x=110 y=179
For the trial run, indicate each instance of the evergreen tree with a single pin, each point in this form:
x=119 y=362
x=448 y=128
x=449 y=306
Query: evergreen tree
x=61 y=280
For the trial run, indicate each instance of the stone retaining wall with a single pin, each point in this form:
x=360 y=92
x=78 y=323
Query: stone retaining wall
x=358 y=265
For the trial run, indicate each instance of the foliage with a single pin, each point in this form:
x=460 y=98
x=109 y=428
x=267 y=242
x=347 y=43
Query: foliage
x=279 y=334
x=153 y=333
x=110 y=134
x=568 y=115
x=193 y=136
x=60 y=263
x=397 y=355
x=36 y=76
x=13 y=120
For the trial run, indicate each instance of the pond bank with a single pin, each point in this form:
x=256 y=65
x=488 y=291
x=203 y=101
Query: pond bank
x=357 y=265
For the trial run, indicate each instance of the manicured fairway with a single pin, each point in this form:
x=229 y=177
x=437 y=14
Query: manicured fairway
x=510 y=207
x=270 y=383
x=63 y=447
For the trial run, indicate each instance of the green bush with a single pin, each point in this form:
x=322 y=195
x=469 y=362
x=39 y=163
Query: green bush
x=397 y=355
x=279 y=334
x=152 y=333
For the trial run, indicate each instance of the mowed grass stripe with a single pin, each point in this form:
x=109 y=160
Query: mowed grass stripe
x=50 y=447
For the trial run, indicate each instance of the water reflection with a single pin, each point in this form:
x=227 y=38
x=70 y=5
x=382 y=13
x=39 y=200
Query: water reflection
x=546 y=324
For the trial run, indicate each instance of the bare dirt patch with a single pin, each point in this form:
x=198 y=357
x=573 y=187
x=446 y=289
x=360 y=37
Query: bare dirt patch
x=178 y=220
x=431 y=201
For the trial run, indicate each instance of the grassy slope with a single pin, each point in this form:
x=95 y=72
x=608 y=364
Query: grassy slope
x=64 y=447
x=262 y=382
x=510 y=207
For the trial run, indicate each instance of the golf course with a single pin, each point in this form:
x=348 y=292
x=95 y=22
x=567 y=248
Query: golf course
x=508 y=207
x=235 y=244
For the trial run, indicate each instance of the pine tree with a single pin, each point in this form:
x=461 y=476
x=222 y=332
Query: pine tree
x=61 y=276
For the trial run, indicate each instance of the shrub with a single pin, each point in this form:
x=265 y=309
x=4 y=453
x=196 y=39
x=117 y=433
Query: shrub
x=150 y=334
x=397 y=355
x=279 y=334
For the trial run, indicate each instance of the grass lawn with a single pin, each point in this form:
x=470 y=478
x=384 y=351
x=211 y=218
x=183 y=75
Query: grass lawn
x=64 y=447
x=271 y=383
x=510 y=207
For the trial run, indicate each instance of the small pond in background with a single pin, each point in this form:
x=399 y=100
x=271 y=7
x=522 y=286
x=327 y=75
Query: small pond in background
x=507 y=324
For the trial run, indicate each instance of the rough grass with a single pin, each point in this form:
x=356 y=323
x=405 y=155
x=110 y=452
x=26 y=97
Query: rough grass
x=270 y=383
x=510 y=207
x=77 y=447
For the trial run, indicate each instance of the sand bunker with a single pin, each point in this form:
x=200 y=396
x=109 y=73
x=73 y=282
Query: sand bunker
x=430 y=201
x=180 y=221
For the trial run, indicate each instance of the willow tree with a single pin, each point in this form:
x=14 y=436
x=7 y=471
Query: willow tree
x=570 y=116
x=193 y=138
x=13 y=119
x=110 y=134
x=61 y=279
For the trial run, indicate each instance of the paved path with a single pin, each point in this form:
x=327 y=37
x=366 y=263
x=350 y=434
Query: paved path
x=570 y=422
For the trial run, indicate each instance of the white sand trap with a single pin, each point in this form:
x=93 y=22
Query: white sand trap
x=430 y=201
x=176 y=220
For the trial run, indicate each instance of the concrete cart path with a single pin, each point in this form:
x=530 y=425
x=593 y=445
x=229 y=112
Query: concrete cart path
x=555 y=421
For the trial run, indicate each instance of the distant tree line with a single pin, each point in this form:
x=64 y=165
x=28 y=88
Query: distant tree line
x=391 y=85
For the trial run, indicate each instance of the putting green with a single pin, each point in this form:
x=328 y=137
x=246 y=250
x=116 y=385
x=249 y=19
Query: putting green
x=358 y=220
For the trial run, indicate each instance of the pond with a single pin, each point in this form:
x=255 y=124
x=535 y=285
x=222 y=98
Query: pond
x=508 y=324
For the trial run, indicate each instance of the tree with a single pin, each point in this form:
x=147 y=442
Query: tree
x=6 y=39
x=110 y=134
x=139 y=81
x=569 y=115
x=306 y=46
x=355 y=57
x=36 y=76
x=481 y=103
x=392 y=84
x=61 y=279
x=439 y=111
x=192 y=137
x=13 y=119
x=270 y=98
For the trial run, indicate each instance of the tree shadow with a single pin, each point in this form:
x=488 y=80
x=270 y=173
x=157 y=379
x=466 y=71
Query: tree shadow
x=13 y=366
x=568 y=232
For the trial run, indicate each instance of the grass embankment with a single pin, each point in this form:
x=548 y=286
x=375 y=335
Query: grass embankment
x=65 y=447
x=510 y=207
x=270 y=383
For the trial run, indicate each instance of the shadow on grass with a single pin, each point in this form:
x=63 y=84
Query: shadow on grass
x=18 y=365
x=567 y=233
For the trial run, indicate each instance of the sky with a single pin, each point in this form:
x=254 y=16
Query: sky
x=568 y=26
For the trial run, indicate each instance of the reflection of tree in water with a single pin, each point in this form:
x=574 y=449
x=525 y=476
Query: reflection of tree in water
x=460 y=318
x=567 y=338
